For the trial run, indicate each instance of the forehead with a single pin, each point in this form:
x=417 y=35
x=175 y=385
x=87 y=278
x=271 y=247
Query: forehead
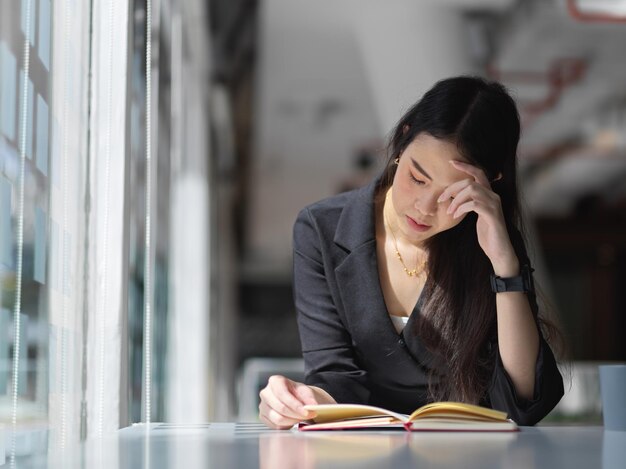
x=433 y=156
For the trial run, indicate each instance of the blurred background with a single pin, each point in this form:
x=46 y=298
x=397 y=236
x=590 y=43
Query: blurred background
x=147 y=194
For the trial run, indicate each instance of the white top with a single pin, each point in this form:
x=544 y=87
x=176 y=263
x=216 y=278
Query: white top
x=399 y=322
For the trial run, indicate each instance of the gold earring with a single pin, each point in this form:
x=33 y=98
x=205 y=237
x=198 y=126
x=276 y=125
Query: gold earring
x=396 y=161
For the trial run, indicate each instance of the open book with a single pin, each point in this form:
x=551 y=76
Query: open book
x=438 y=416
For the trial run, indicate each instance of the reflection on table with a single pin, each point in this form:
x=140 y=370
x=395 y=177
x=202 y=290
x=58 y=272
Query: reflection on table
x=249 y=446
x=284 y=450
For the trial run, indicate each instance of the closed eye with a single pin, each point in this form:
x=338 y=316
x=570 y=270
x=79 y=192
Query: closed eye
x=416 y=181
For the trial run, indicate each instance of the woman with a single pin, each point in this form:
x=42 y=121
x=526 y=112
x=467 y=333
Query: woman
x=418 y=288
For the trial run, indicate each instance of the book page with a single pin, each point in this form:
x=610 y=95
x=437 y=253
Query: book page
x=333 y=412
x=452 y=409
x=361 y=422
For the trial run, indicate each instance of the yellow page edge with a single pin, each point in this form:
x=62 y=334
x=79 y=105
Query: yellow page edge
x=331 y=412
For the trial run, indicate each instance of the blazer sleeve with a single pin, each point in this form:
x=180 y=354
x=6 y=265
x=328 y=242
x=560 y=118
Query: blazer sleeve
x=548 y=380
x=327 y=349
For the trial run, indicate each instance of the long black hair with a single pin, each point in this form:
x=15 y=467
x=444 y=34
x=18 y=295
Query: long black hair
x=458 y=316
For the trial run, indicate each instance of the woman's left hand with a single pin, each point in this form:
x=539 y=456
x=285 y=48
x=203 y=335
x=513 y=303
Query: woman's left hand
x=475 y=195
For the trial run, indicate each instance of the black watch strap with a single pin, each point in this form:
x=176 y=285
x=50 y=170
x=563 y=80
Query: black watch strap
x=522 y=282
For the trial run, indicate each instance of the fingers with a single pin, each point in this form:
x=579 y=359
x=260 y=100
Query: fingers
x=282 y=402
x=478 y=177
x=273 y=419
x=279 y=396
x=461 y=192
x=453 y=190
x=474 y=199
x=304 y=393
x=460 y=189
x=464 y=208
x=477 y=174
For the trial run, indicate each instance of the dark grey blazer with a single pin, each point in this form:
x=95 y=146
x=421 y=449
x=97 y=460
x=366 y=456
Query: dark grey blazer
x=349 y=344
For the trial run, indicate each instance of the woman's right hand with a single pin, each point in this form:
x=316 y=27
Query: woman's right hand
x=283 y=400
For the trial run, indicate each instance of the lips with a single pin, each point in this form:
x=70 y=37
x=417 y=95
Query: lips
x=417 y=225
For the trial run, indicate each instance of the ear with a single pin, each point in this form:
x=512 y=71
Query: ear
x=405 y=129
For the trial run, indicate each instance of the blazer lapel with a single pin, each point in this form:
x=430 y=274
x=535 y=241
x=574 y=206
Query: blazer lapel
x=357 y=275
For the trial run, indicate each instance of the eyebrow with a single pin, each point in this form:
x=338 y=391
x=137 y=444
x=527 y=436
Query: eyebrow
x=420 y=169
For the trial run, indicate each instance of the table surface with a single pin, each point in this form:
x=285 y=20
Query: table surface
x=251 y=445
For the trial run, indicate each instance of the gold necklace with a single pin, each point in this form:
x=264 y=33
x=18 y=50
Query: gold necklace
x=410 y=272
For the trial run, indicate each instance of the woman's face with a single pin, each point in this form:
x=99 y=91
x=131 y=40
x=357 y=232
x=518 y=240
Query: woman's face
x=423 y=173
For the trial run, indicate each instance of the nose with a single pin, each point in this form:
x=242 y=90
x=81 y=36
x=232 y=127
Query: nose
x=427 y=204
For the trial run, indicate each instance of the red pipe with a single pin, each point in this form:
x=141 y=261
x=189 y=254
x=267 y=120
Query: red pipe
x=585 y=17
x=561 y=73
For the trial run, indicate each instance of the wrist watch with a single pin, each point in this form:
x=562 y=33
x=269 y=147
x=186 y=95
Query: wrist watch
x=522 y=282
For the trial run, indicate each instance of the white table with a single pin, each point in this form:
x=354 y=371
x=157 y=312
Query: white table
x=250 y=446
